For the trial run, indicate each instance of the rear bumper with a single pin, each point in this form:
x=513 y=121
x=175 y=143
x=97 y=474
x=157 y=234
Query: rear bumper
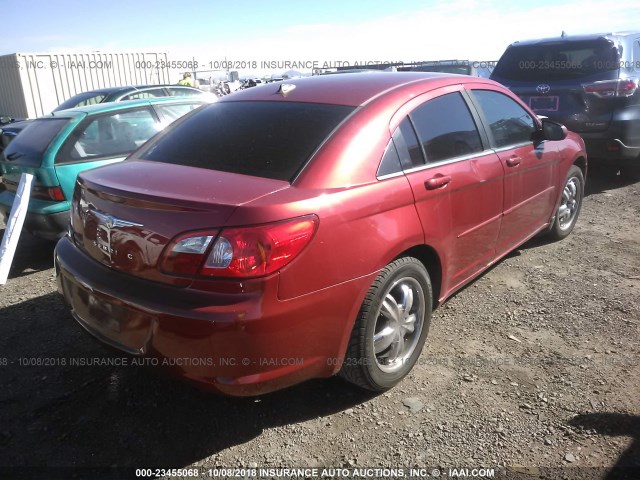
x=245 y=343
x=613 y=149
x=621 y=140
x=50 y=227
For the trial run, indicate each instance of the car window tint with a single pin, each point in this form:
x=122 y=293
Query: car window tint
x=114 y=135
x=565 y=60
x=407 y=145
x=390 y=162
x=30 y=144
x=173 y=112
x=156 y=92
x=82 y=100
x=446 y=128
x=183 y=92
x=509 y=123
x=263 y=139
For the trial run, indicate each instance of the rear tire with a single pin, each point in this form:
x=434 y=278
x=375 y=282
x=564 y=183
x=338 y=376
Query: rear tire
x=391 y=328
x=570 y=204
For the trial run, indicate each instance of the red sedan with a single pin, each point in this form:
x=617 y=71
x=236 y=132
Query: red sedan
x=304 y=229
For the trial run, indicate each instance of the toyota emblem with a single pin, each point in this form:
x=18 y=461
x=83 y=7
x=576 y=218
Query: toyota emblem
x=543 y=88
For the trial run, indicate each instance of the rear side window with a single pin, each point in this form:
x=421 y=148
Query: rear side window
x=183 y=92
x=263 y=139
x=558 y=60
x=446 y=128
x=509 y=123
x=408 y=146
x=29 y=146
x=390 y=162
x=154 y=93
x=116 y=134
x=173 y=112
x=82 y=100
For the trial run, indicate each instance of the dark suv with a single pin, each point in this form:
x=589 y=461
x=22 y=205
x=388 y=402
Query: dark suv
x=590 y=83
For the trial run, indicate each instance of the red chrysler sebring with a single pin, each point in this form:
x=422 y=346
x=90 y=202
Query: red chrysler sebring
x=303 y=229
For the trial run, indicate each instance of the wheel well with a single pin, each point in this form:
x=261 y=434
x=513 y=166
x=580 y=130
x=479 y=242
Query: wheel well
x=581 y=163
x=431 y=261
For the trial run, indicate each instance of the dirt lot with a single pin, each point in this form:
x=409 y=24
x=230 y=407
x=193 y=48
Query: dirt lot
x=535 y=366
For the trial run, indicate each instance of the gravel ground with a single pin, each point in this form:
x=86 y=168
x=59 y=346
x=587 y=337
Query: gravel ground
x=534 y=367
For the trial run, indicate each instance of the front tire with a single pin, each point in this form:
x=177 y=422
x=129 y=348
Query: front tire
x=391 y=328
x=570 y=204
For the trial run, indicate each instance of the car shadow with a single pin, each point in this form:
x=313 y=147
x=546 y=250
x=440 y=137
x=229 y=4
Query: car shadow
x=601 y=178
x=616 y=425
x=32 y=255
x=60 y=405
x=539 y=240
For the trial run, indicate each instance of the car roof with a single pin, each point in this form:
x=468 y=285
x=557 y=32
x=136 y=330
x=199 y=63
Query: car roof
x=352 y=90
x=575 y=38
x=112 y=106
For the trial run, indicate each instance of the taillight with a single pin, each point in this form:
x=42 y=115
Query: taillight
x=239 y=252
x=48 y=193
x=187 y=252
x=56 y=194
x=612 y=88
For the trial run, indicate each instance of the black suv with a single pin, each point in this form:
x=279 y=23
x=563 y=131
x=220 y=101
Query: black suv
x=590 y=83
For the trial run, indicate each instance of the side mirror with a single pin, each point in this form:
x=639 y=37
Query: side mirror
x=4 y=120
x=552 y=130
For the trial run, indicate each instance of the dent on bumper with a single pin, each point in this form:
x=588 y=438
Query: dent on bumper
x=239 y=344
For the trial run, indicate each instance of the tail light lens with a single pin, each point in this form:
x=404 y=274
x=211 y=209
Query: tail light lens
x=612 y=88
x=239 y=252
x=48 y=193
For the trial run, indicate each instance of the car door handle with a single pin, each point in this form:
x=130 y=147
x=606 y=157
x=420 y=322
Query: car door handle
x=513 y=161
x=437 y=182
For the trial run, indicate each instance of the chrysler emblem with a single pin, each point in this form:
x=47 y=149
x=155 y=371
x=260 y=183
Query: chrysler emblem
x=106 y=223
x=543 y=88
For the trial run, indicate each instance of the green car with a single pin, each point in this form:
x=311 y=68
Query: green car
x=56 y=147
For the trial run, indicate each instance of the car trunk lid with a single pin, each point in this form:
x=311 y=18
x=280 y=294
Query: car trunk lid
x=124 y=215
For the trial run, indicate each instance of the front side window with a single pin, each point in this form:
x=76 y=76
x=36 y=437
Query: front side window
x=114 y=135
x=508 y=122
x=446 y=128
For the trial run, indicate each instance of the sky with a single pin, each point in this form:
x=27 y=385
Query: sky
x=251 y=32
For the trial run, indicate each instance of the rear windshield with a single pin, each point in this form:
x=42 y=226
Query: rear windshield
x=263 y=139
x=557 y=61
x=30 y=144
